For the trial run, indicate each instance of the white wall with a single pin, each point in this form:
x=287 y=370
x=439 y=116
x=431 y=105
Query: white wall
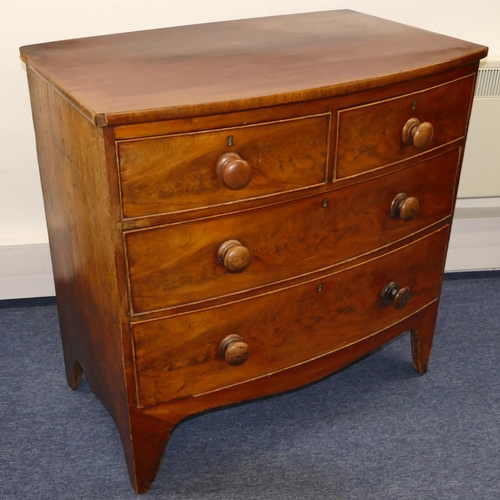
x=22 y=219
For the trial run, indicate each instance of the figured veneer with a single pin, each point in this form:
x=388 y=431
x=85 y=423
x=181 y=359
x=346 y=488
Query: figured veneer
x=241 y=208
x=286 y=327
x=385 y=132
x=181 y=172
x=177 y=264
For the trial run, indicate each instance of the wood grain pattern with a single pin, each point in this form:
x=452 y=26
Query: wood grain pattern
x=153 y=307
x=177 y=264
x=421 y=324
x=82 y=210
x=83 y=237
x=286 y=111
x=179 y=172
x=222 y=67
x=178 y=357
x=370 y=136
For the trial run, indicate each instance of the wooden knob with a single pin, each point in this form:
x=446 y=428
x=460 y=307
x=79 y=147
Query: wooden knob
x=233 y=171
x=393 y=294
x=234 y=256
x=234 y=350
x=405 y=207
x=420 y=134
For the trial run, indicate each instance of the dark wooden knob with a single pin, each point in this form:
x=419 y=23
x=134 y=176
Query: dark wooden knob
x=233 y=171
x=234 y=350
x=420 y=134
x=234 y=256
x=393 y=294
x=405 y=207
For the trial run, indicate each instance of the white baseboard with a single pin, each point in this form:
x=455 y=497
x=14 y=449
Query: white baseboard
x=26 y=271
x=475 y=236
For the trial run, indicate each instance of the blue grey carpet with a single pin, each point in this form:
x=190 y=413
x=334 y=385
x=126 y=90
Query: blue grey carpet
x=375 y=430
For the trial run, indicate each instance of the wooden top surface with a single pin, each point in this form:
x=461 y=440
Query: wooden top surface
x=234 y=65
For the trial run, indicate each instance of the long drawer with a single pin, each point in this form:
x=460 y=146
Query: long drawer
x=179 y=264
x=180 y=356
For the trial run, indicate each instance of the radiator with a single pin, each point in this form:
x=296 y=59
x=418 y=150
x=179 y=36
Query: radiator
x=481 y=168
x=475 y=236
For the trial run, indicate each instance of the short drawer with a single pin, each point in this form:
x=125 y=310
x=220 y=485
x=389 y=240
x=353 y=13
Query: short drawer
x=193 y=170
x=182 y=355
x=182 y=263
x=371 y=136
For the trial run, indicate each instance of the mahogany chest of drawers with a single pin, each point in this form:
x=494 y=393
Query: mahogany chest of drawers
x=240 y=208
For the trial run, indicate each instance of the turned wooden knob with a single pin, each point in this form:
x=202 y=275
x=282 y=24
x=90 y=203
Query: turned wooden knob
x=393 y=294
x=233 y=171
x=405 y=207
x=234 y=256
x=234 y=350
x=420 y=134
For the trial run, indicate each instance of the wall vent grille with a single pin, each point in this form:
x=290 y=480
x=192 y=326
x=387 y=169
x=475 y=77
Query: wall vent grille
x=488 y=82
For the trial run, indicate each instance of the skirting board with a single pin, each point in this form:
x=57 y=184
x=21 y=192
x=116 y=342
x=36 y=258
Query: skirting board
x=475 y=235
x=26 y=271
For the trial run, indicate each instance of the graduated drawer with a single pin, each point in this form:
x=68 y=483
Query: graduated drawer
x=179 y=172
x=178 y=263
x=180 y=356
x=371 y=136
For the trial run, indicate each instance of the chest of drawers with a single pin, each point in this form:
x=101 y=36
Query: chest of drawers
x=238 y=209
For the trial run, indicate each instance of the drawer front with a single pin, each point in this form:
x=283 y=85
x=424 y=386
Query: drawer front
x=371 y=136
x=179 y=172
x=179 y=356
x=179 y=264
